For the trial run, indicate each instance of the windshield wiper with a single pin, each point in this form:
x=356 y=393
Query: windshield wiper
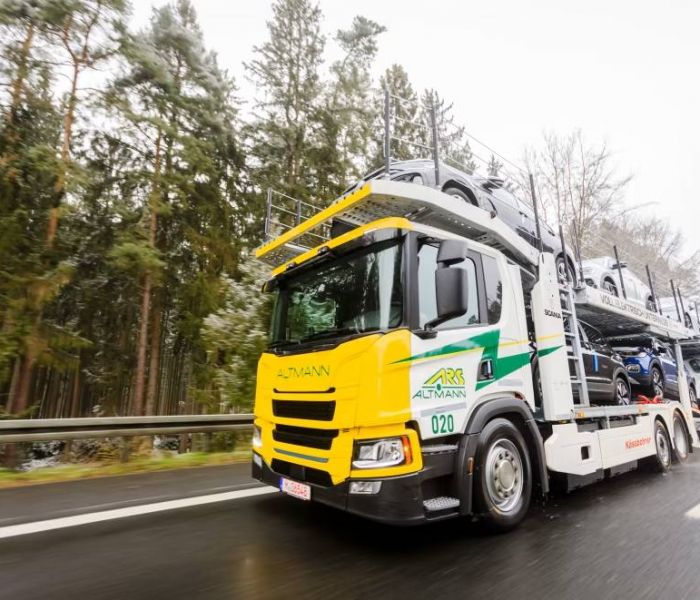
x=329 y=333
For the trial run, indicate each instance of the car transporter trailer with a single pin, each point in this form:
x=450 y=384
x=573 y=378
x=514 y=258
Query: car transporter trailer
x=409 y=422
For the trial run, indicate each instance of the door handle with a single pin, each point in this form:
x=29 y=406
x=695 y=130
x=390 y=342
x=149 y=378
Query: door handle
x=485 y=369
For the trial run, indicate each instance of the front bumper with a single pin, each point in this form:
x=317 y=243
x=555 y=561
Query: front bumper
x=398 y=502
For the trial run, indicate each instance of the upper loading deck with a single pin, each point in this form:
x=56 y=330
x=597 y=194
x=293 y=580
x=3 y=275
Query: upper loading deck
x=379 y=199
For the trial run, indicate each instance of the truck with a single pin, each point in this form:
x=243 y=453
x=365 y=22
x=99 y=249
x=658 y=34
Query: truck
x=418 y=366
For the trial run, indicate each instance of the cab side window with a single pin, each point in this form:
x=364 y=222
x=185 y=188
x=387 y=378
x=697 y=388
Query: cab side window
x=427 y=302
x=493 y=287
x=485 y=289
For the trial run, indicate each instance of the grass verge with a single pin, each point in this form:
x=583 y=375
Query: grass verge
x=71 y=472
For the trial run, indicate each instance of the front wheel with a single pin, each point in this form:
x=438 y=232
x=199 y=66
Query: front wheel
x=459 y=194
x=565 y=271
x=503 y=479
x=623 y=393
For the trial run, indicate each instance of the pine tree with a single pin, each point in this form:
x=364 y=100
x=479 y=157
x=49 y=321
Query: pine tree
x=493 y=169
x=176 y=105
x=407 y=120
x=348 y=119
x=286 y=70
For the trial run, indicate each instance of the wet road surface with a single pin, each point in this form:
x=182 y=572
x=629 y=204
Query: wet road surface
x=625 y=538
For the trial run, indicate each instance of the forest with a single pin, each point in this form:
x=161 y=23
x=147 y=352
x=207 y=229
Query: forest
x=133 y=180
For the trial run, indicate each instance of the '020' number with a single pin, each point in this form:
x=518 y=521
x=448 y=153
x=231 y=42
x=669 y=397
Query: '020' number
x=442 y=423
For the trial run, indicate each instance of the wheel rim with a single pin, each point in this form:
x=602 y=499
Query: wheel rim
x=658 y=386
x=623 y=392
x=609 y=286
x=504 y=475
x=662 y=449
x=457 y=196
x=679 y=438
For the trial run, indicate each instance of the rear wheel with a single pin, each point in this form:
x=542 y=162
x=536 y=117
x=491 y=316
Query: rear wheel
x=611 y=287
x=623 y=394
x=662 y=460
x=657 y=382
x=680 y=439
x=503 y=480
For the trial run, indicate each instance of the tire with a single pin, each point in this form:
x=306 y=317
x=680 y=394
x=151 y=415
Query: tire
x=565 y=272
x=611 y=287
x=661 y=461
x=623 y=392
x=680 y=439
x=461 y=194
x=657 y=382
x=503 y=482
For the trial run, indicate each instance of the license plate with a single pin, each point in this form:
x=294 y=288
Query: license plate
x=296 y=489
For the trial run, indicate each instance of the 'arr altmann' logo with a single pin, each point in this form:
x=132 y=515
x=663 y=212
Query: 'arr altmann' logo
x=445 y=383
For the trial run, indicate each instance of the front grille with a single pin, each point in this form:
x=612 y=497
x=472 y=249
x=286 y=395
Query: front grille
x=304 y=436
x=304 y=409
x=305 y=474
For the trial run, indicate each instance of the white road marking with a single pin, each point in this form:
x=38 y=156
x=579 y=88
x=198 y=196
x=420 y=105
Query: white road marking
x=129 y=511
x=694 y=513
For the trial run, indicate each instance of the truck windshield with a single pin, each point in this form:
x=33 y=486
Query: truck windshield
x=351 y=294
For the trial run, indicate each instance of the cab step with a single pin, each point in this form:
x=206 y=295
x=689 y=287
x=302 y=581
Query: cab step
x=440 y=503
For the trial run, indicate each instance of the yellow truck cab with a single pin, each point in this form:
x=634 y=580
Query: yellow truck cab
x=398 y=382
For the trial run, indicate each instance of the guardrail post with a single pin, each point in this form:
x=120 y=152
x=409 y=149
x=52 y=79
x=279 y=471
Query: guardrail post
x=387 y=133
x=680 y=299
x=651 y=289
x=619 y=271
x=268 y=213
x=536 y=211
x=436 y=150
x=675 y=300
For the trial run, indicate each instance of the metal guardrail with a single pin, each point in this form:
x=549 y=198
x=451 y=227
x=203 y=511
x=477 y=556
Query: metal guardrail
x=42 y=430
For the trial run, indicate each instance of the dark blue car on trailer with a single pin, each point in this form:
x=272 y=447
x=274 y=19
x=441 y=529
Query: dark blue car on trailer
x=651 y=366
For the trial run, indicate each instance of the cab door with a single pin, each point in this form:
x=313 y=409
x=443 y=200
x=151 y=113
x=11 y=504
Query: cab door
x=452 y=362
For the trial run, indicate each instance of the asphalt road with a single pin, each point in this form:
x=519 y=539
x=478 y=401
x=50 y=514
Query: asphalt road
x=627 y=538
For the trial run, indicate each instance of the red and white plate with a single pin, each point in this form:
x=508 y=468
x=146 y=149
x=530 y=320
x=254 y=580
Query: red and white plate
x=296 y=489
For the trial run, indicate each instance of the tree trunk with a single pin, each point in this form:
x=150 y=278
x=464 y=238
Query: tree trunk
x=21 y=399
x=154 y=367
x=142 y=344
x=60 y=184
x=22 y=73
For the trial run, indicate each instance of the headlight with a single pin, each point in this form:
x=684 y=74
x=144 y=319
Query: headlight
x=257 y=437
x=641 y=354
x=634 y=368
x=377 y=454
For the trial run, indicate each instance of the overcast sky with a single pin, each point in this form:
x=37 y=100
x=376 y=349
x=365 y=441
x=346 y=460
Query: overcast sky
x=623 y=71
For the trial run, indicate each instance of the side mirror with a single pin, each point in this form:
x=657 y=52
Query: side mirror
x=621 y=265
x=661 y=350
x=451 y=285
